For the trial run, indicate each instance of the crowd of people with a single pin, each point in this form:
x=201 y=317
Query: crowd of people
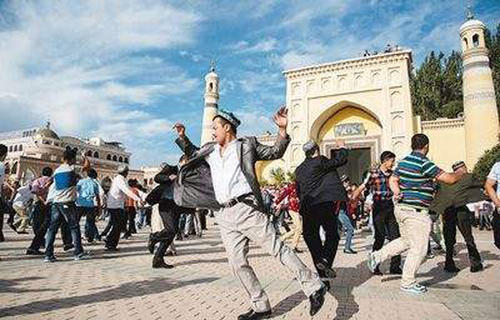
x=403 y=204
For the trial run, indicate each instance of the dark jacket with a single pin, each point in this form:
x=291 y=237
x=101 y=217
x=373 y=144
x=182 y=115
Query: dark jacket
x=464 y=191
x=163 y=193
x=318 y=180
x=193 y=187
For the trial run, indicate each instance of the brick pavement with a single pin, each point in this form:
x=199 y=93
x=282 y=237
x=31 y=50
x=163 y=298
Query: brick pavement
x=124 y=286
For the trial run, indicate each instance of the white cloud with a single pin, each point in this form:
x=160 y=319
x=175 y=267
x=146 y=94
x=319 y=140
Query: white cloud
x=261 y=46
x=77 y=63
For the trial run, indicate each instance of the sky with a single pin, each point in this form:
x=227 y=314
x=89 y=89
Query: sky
x=127 y=70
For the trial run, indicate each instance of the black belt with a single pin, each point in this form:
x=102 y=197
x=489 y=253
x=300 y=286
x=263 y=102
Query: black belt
x=234 y=201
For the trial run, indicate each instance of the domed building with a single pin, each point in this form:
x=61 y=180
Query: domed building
x=33 y=149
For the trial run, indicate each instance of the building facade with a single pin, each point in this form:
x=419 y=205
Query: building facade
x=33 y=149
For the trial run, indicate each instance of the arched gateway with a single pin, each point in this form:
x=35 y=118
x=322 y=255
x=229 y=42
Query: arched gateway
x=365 y=101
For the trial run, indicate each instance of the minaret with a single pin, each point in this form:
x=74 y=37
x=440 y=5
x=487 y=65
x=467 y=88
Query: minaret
x=480 y=109
x=211 y=101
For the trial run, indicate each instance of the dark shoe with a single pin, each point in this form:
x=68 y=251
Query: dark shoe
x=326 y=270
x=350 y=251
x=297 y=250
x=12 y=226
x=68 y=247
x=396 y=271
x=476 y=268
x=317 y=299
x=327 y=285
x=451 y=267
x=22 y=232
x=111 y=249
x=377 y=271
x=160 y=263
x=32 y=252
x=252 y=315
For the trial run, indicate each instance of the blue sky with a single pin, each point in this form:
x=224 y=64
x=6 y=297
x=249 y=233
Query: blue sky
x=127 y=70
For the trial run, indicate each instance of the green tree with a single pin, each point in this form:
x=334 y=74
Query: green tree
x=278 y=175
x=486 y=162
x=493 y=45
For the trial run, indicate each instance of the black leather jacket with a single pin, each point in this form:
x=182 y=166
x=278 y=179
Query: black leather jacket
x=193 y=187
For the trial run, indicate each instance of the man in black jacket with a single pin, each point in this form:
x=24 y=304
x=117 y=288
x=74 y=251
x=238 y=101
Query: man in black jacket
x=222 y=175
x=321 y=196
x=169 y=212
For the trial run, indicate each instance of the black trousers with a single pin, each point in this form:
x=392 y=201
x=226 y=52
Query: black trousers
x=386 y=227
x=496 y=228
x=3 y=209
x=39 y=238
x=118 y=220
x=131 y=213
x=166 y=236
x=461 y=218
x=321 y=215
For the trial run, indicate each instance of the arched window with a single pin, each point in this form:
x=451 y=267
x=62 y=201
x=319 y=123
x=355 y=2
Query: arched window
x=20 y=147
x=475 y=40
x=211 y=85
x=75 y=150
x=10 y=148
x=96 y=154
x=88 y=153
x=114 y=158
x=466 y=44
x=15 y=148
x=120 y=159
x=108 y=157
x=125 y=160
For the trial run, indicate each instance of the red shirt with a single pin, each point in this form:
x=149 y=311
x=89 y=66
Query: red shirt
x=129 y=202
x=290 y=191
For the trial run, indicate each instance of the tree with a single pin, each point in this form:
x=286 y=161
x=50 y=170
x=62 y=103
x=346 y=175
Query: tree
x=486 y=162
x=278 y=175
x=493 y=45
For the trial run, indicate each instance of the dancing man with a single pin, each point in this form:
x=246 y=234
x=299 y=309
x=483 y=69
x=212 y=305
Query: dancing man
x=221 y=175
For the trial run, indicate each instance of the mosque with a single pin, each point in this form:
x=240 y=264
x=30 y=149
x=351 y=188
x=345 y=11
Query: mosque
x=366 y=102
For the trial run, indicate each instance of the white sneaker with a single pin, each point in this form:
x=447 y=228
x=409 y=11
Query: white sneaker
x=415 y=288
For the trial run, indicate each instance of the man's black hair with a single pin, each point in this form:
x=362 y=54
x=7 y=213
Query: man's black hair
x=69 y=154
x=92 y=173
x=224 y=122
x=3 y=150
x=419 y=141
x=386 y=155
x=47 y=171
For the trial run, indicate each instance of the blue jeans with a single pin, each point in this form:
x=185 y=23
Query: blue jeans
x=346 y=223
x=58 y=212
x=91 y=231
x=142 y=217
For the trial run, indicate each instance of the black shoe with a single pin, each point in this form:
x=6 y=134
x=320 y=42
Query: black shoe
x=396 y=271
x=22 y=232
x=12 y=226
x=451 y=267
x=350 y=251
x=326 y=270
x=476 y=268
x=32 y=252
x=252 y=315
x=317 y=299
x=327 y=285
x=160 y=263
x=111 y=249
x=68 y=247
x=377 y=272
x=297 y=250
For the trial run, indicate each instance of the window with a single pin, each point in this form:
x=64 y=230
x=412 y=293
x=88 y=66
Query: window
x=125 y=160
x=20 y=147
x=475 y=40
x=96 y=154
x=10 y=148
x=466 y=44
x=108 y=157
x=89 y=153
x=120 y=159
x=114 y=158
x=15 y=148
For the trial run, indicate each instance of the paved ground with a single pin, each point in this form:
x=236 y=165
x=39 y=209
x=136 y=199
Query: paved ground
x=124 y=286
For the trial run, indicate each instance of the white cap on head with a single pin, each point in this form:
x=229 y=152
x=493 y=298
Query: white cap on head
x=122 y=168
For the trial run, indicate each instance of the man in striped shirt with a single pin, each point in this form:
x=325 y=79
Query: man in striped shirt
x=413 y=184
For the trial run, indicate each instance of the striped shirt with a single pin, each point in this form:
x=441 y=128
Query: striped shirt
x=416 y=180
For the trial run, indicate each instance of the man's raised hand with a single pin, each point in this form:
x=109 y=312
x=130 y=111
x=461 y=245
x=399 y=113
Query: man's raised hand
x=281 y=120
x=181 y=130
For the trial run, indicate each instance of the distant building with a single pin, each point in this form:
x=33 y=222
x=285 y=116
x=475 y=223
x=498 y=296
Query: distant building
x=33 y=149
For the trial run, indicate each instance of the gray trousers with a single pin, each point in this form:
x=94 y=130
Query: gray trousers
x=242 y=223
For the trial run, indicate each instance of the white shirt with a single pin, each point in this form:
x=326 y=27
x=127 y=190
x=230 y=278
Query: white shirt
x=495 y=175
x=2 y=177
x=119 y=189
x=227 y=177
x=23 y=196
